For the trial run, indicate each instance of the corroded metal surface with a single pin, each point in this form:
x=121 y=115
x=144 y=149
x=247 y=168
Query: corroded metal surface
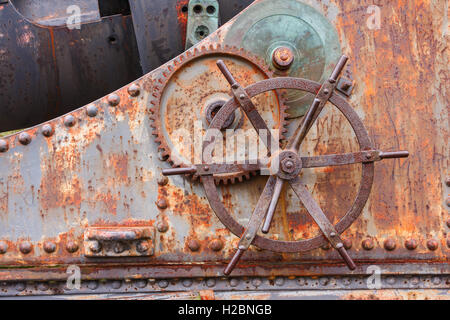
x=99 y=167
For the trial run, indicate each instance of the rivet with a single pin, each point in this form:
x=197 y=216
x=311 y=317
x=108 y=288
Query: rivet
x=234 y=282
x=3 y=247
x=116 y=284
x=235 y=86
x=113 y=99
x=43 y=286
x=134 y=90
x=279 y=281
x=3 y=145
x=216 y=245
x=389 y=244
x=194 y=245
x=411 y=244
x=242 y=96
x=210 y=283
x=25 y=247
x=92 y=285
x=163 y=283
x=91 y=110
x=346 y=281
x=415 y=281
x=162 y=226
x=95 y=246
x=141 y=283
x=447 y=202
x=206 y=168
x=301 y=282
x=119 y=248
x=24 y=138
x=162 y=203
x=69 y=121
x=324 y=281
x=47 y=130
x=391 y=280
x=49 y=247
x=256 y=282
x=163 y=180
x=448 y=222
x=367 y=244
x=347 y=244
x=187 y=283
x=432 y=244
x=326 y=91
x=20 y=286
x=71 y=246
x=142 y=246
x=333 y=234
x=436 y=281
x=447 y=182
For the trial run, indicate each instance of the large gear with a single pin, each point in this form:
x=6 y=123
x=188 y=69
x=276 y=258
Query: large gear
x=191 y=91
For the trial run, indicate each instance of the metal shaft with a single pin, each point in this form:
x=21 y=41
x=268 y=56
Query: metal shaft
x=273 y=205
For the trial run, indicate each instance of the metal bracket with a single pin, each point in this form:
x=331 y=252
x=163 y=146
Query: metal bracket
x=119 y=242
x=203 y=19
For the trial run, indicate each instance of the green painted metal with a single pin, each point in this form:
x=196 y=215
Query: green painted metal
x=271 y=24
x=203 y=19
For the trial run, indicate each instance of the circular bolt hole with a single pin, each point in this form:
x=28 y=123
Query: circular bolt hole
x=184 y=9
x=112 y=39
x=201 y=32
x=198 y=8
x=211 y=9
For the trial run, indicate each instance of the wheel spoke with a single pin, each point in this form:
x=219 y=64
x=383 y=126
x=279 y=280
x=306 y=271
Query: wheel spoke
x=254 y=223
x=350 y=158
x=317 y=106
x=321 y=219
x=273 y=205
x=247 y=106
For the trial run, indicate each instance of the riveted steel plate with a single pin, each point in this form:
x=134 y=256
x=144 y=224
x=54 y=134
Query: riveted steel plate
x=102 y=169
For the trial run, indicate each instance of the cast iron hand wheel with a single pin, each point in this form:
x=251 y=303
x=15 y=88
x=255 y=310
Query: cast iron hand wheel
x=290 y=165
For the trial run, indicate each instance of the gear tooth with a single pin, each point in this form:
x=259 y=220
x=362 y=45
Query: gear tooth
x=196 y=51
x=170 y=68
x=219 y=46
x=211 y=47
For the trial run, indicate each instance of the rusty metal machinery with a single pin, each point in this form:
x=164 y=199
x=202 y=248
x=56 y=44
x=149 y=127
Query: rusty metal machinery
x=115 y=191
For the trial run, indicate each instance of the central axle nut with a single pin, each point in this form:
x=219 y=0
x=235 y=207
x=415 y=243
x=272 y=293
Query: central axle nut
x=288 y=166
x=282 y=58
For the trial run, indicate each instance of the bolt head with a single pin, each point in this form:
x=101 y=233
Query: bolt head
x=119 y=248
x=69 y=121
x=234 y=282
x=3 y=145
x=91 y=110
x=210 y=283
x=134 y=90
x=411 y=244
x=143 y=246
x=163 y=180
x=447 y=202
x=162 y=203
x=447 y=182
x=113 y=99
x=95 y=247
x=187 y=283
x=24 y=138
x=3 y=247
x=283 y=58
x=390 y=245
x=432 y=244
x=216 y=245
x=368 y=244
x=116 y=284
x=347 y=244
x=25 y=247
x=162 y=226
x=47 y=130
x=194 y=245
x=49 y=246
x=71 y=246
